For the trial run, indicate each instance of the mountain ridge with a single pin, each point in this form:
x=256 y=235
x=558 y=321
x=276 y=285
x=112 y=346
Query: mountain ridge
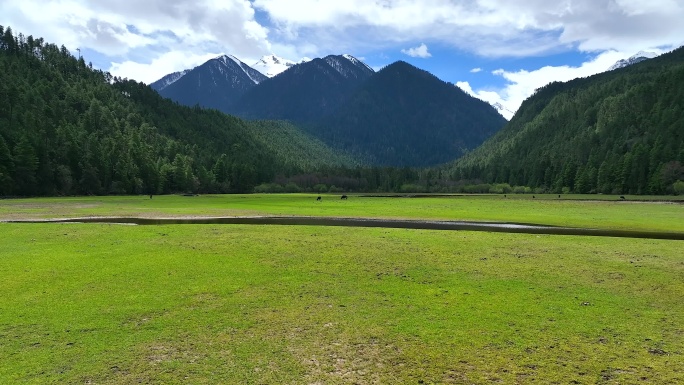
x=616 y=132
x=634 y=59
x=405 y=116
x=310 y=94
x=216 y=84
x=304 y=92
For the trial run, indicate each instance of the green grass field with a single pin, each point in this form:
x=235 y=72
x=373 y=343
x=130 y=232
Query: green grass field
x=593 y=211
x=207 y=304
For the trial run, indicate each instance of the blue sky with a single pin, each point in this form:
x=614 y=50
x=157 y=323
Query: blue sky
x=498 y=50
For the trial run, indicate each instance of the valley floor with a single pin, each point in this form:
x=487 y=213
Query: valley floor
x=215 y=303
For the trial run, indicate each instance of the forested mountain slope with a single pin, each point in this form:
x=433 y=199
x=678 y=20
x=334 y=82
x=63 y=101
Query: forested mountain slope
x=617 y=132
x=404 y=116
x=68 y=129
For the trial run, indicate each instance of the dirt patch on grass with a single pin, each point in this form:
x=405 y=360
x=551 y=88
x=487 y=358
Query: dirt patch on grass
x=335 y=358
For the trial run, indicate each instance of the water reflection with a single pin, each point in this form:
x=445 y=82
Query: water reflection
x=386 y=223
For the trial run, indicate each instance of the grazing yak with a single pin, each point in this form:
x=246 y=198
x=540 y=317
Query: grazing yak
x=319 y=198
x=343 y=197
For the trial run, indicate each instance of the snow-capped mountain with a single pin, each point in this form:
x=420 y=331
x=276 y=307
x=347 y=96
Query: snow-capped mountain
x=272 y=65
x=639 y=57
x=214 y=84
x=358 y=62
x=305 y=91
x=168 y=80
x=256 y=76
x=226 y=83
x=341 y=65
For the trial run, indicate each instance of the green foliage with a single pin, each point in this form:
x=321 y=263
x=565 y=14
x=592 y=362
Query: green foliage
x=678 y=187
x=320 y=188
x=68 y=129
x=501 y=188
x=412 y=188
x=618 y=132
x=269 y=188
x=297 y=149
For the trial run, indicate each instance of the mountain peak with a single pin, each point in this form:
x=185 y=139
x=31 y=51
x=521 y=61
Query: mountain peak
x=356 y=61
x=230 y=61
x=272 y=65
x=636 y=58
x=341 y=64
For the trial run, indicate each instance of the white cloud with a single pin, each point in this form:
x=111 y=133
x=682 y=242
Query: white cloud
x=160 y=66
x=137 y=35
x=485 y=27
x=475 y=70
x=421 y=51
x=522 y=84
x=491 y=97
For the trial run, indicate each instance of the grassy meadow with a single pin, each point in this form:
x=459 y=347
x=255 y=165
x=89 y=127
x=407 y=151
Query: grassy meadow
x=206 y=304
x=593 y=211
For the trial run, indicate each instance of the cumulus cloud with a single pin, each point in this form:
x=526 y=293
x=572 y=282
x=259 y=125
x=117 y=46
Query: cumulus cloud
x=154 y=30
x=485 y=27
x=160 y=66
x=475 y=70
x=135 y=35
x=421 y=51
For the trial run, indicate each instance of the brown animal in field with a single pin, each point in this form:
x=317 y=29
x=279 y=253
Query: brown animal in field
x=343 y=197
x=319 y=199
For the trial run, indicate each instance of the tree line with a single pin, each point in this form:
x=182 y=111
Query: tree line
x=66 y=128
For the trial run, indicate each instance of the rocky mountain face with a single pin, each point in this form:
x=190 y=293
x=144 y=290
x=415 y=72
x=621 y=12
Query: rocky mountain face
x=168 y=80
x=634 y=59
x=215 y=84
x=306 y=91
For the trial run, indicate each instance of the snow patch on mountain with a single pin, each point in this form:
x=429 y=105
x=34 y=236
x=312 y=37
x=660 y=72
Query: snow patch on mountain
x=168 y=80
x=357 y=62
x=337 y=65
x=637 y=58
x=254 y=75
x=341 y=65
x=272 y=65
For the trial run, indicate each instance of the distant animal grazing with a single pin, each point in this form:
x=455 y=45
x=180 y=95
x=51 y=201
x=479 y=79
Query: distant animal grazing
x=343 y=197
x=533 y=197
x=559 y=195
x=622 y=197
x=319 y=199
x=504 y=195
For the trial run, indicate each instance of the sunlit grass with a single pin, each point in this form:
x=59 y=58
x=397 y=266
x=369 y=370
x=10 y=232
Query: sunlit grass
x=284 y=304
x=595 y=211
